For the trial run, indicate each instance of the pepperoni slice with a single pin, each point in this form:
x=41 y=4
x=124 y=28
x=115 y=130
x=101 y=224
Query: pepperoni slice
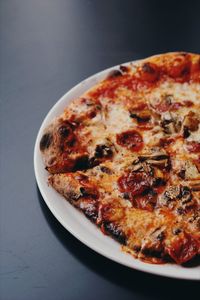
x=149 y=72
x=138 y=189
x=165 y=142
x=146 y=202
x=188 y=103
x=183 y=249
x=130 y=139
x=134 y=183
x=179 y=69
x=175 y=106
x=193 y=147
x=162 y=106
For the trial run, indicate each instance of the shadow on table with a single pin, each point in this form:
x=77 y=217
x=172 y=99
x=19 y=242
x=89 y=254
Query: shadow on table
x=151 y=286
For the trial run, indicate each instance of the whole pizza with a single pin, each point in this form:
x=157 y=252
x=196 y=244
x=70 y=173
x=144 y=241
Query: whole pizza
x=127 y=154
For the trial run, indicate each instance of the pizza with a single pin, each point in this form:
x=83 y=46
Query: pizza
x=127 y=154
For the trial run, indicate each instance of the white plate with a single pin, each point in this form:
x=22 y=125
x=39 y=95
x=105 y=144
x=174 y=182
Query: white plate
x=74 y=221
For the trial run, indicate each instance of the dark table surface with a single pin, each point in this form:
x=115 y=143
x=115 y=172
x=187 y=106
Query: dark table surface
x=46 y=47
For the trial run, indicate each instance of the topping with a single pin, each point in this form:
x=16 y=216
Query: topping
x=190 y=123
x=103 y=151
x=156 y=159
x=165 y=142
x=145 y=201
x=194 y=220
x=179 y=69
x=130 y=139
x=183 y=248
x=164 y=104
x=153 y=244
x=149 y=72
x=178 y=194
x=170 y=124
x=188 y=170
x=67 y=164
x=171 y=194
x=142 y=117
x=106 y=170
x=175 y=106
x=88 y=191
x=135 y=183
x=195 y=186
x=193 y=147
x=185 y=194
x=136 y=188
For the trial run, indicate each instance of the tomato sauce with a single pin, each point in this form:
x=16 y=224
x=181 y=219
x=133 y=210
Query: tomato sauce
x=149 y=75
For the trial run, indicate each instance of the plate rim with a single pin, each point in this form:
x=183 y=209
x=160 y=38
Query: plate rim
x=144 y=266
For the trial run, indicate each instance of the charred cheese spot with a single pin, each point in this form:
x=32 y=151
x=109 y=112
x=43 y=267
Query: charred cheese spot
x=115 y=231
x=46 y=141
x=114 y=73
x=89 y=208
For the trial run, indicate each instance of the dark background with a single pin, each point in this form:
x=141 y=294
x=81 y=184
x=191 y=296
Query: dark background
x=46 y=47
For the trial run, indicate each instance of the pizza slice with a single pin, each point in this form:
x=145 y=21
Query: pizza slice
x=127 y=154
x=151 y=237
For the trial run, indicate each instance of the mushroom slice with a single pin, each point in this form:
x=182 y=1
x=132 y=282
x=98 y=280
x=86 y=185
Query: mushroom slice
x=152 y=245
x=156 y=159
x=190 y=123
x=187 y=169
